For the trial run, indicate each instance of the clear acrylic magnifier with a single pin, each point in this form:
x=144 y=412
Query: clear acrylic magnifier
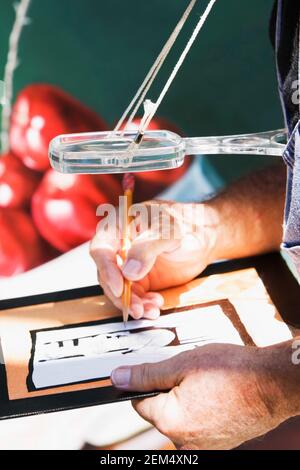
x=120 y=152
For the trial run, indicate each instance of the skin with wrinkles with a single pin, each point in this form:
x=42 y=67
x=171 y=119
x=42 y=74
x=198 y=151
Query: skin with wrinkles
x=216 y=396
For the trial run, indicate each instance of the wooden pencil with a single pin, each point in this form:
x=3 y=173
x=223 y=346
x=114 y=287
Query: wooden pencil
x=128 y=187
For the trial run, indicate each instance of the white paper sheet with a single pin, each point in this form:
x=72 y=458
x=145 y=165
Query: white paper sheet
x=70 y=355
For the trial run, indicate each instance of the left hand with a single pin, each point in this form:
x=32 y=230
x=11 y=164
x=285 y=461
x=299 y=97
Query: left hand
x=216 y=396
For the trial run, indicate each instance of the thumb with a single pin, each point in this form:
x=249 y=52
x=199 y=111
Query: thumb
x=143 y=252
x=148 y=377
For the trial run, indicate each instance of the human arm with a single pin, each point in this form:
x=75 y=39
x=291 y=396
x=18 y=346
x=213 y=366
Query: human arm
x=244 y=220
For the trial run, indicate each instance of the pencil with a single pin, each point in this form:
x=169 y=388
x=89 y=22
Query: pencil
x=128 y=187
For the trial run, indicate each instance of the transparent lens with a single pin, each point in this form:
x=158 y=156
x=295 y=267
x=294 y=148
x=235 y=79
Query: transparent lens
x=104 y=152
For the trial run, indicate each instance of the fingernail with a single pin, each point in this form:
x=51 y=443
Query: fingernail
x=114 y=285
x=160 y=301
x=137 y=311
x=132 y=268
x=155 y=314
x=154 y=298
x=121 y=377
x=151 y=311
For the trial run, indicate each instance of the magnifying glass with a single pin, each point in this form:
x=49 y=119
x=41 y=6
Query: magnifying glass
x=118 y=152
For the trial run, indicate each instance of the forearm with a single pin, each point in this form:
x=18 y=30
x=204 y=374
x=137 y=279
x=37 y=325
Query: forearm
x=248 y=215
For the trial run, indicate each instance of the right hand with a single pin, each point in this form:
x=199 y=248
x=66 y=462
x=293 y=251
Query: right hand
x=155 y=262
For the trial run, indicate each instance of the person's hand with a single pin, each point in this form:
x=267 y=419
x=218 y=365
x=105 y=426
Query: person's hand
x=241 y=221
x=216 y=396
x=175 y=249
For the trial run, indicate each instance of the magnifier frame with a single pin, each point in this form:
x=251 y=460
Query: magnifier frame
x=117 y=152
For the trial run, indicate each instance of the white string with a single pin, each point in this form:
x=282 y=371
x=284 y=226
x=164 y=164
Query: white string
x=151 y=108
x=164 y=54
x=147 y=118
x=150 y=77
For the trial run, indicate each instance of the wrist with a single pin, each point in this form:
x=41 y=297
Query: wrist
x=207 y=221
x=280 y=384
x=213 y=228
